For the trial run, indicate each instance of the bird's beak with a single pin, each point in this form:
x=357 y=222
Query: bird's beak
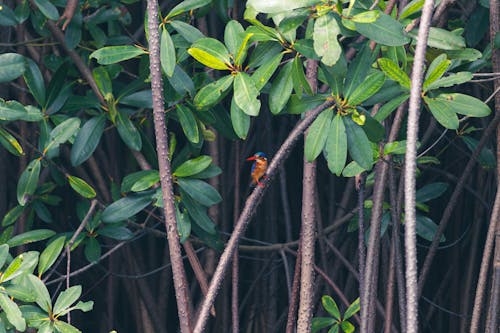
x=252 y=158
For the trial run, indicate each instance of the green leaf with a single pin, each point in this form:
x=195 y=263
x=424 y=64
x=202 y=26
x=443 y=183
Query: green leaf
x=390 y=106
x=436 y=69
x=47 y=9
x=367 y=88
x=103 y=80
x=181 y=82
x=385 y=30
x=347 y=327
x=281 y=89
x=126 y=207
x=186 y=6
x=130 y=180
x=167 y=53
x=13 y=313
x=81 y=187
x=325 y=34
x=63 y=132
x=42 y=294
x=330 y=306
x=450 y=80
x=426 y=228
x=114 y=232
x=193 y=166
x=128 y=132
x=262 y=75
x=373 y=129
x=466 y=105
x=394 y=73
x=395 y=148
x=4 y=253
x=317 y=134
x=212 y=93
x=10 y=143
x=443 y=112
x=357 y=69
x=12 y=66
x=411 y=8
x=8 y=18
x=141 y=99
x=66 y=298
x=198 y=214
x=358 y=144
x=34 y=80
x=183 y=224
x=113 y=54
x=23 y=264
x=366 y=17
x=146 y=181
x=187 y=31
x=12 y=216
x=352 y=309
x=11 y=110
x=266 y=6
x=28 y=182
x=188 y=123
x=211 y=53
x=200 y=191
x=92 y=250
x=430 y=191
x=87 y=139
x=240 y=120
x=245 y=94
x=444 y=40
x=30 y=237
x=63 y=327
x=299 y=78
x=335 y=75
x=336 y=146
x=233 y=36
x=319 y=323
x=298 y=105
x=50 y=254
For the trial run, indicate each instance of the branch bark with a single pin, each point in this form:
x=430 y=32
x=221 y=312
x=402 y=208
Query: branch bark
x=179 y=275
x=410 y=169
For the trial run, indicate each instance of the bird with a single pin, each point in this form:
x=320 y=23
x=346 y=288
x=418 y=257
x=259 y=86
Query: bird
x=259 y=168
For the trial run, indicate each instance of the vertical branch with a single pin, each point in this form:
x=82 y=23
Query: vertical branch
x=361 y=240
x=410 y=169
x=179 y=275
x=308 y=227
x=494 y=227
x=292 y=306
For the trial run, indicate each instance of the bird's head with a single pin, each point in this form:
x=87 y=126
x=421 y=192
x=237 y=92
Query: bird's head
x=257 y=156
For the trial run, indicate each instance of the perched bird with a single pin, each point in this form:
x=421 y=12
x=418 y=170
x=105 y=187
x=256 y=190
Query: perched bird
x=259 y=167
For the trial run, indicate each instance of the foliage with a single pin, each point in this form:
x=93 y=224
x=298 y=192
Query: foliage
x=337 y=322
x=217 y=87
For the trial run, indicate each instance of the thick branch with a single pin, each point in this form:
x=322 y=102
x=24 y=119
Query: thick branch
x=410 y=169
x=180 y=282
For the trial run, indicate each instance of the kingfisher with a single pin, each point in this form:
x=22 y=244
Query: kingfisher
x=259 y=168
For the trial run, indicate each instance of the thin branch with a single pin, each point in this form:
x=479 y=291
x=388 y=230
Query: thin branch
x=410 y=169
x=179 y=275
x=248 y=211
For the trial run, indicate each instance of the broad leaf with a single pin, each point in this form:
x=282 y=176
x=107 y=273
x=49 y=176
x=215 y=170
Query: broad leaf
x=212 y=93
x=442 y=110
x=126 y=207
x=317 y=134
x=87 y=139
x=358 y=144
x=450 y=80
x=12 y=66
x=113 y=54
x=330 y=306
x=367 y=88
x=245 y=94
x=200 y=191
x=167 y=53
x=281 y=89
x=336 y=146
x=266 y=6
x=385 y=30
x=240 y=120
x=128 y=132
x=211 y=53
x=47 y=9
x=393 y=72
x=326 y=44
x=66 y=298
x=13 y=313
x=186 y=6
x=81 y=187
x=193 y=166
x=188 y=123
x=34 y=80
x=436 y=69
x=30 y=237
x=50 y=254
x=28 y=181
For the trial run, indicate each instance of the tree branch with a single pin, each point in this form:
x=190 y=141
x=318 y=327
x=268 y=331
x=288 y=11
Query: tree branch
x=179 y=275
x=410 y=169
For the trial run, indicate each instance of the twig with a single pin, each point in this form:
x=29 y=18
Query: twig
x=248 y=211
x=93 y=204
x=410 y=168
x=179 y=275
